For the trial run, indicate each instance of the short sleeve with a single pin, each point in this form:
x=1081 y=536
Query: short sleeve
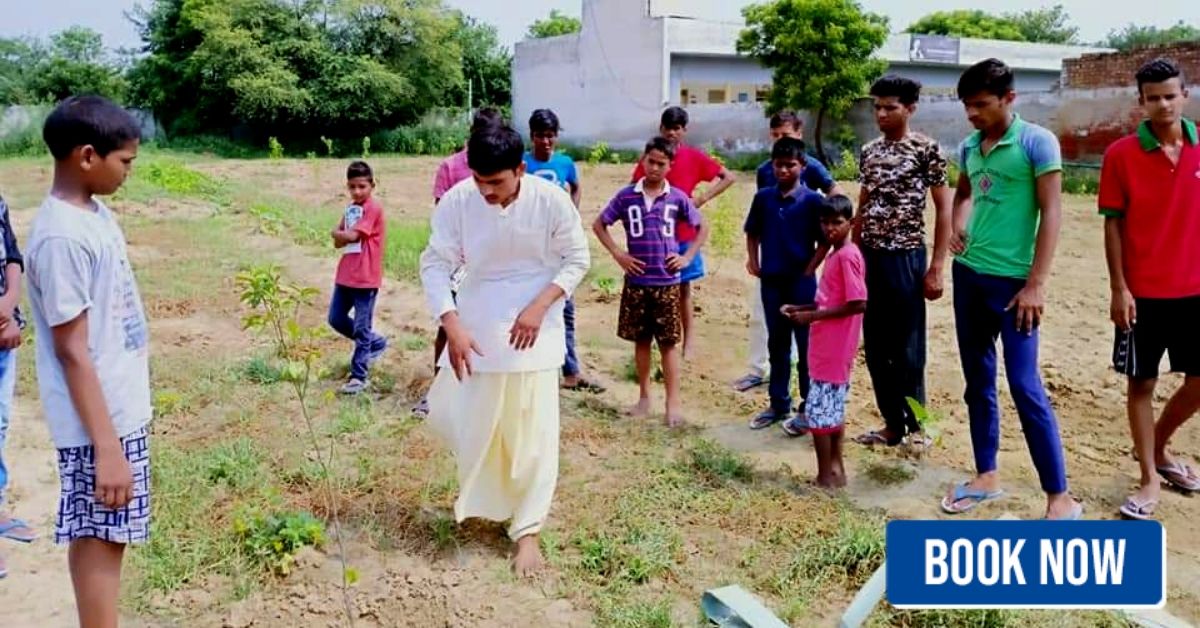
x=372 y=217
x=962 y=159
x=572 y=172
x=863 y=155
x=1113 y=199
x=854 y=276
x=63 y=277
x=688 y=210
x=709 y=167
x=12 y=251
x=936 y=167
x=612 y=211
x=1041 y=146
x=441 y=181
x=754 y=218
x=816 y=176
x=638 y=172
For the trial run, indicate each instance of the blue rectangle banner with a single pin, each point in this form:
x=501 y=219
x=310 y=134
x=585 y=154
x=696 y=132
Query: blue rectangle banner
x=1026 y=564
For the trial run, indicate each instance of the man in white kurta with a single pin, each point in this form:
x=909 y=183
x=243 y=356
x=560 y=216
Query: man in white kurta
x=495 y=401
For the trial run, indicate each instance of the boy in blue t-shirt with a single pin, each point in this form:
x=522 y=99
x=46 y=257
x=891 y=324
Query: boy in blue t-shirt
x=559 y=169
x=783 y=232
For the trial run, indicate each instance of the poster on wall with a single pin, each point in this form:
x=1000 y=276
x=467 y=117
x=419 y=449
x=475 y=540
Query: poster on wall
x=933 y=49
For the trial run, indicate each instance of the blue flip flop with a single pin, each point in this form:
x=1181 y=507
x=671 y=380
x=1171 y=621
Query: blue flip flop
x=6 y=531
x=964 y=492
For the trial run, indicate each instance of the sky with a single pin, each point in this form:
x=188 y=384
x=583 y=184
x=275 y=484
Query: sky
x=1095 y=18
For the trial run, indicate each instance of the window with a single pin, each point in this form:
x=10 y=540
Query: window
x=683 y=97
x=716 y=96
x=743 y=97
x=760 y=94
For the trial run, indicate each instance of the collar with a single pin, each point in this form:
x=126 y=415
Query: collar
x=794 y=193
x=1149 y=142
x=976 y=139
x=637 y=187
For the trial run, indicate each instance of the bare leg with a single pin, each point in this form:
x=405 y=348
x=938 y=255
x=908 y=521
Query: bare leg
x=528 y=560
x=96 y=573
x=1140 y=405
x=1178 y=410
x=641 y=358
x=837 y=467
x=685 y=306
x=670 y=362
x=823 y=443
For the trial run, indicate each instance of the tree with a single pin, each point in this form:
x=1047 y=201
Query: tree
x=820 y=52
x=76 y=64
x=18 y=57
x=554 y=25
x=486 y=65
x=1133 y=36
x=1047 y=26
x=967 y=23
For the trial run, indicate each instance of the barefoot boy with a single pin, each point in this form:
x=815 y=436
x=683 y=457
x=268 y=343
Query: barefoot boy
x=92 y=359
x=360 y=236
x=835 y=324
x=650 y=310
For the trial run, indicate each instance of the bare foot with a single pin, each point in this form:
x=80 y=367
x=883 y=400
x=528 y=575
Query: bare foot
x=639 y=409
x=528 y=559
x=675 y=421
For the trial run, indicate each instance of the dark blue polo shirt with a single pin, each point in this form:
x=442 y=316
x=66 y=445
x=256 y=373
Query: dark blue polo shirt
x=814 y=176
x=788 y=228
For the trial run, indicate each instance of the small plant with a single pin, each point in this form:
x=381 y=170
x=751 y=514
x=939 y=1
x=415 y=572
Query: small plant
x=272 y=541
x=927 y=419
x=328 y=146
x=274 y=148
x=366 y=147
x=889 y=474
x=260 y=370
x=599 y=153
x=847 y=167
x=719 y=464
x=608 y=289
x=311 y=155
x=168 y=402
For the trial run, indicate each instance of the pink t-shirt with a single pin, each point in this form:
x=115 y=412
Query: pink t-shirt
x=452 y=170
x=361 y=265
x=833 y=342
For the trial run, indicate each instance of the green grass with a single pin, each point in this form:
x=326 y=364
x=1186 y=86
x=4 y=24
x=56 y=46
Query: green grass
x=626 y=613
x=158 y=174
x=889 y=473
x=717 y=464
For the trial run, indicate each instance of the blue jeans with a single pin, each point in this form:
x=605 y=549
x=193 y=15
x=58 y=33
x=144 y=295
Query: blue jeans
x=571 y=365
x=362 y=302
x=778 y=291
x=979 y=317
x=8 y=383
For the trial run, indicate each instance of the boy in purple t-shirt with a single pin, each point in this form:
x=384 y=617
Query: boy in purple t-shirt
x=650 y=309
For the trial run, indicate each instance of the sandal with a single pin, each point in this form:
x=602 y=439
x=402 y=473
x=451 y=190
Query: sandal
x=795 y=426
x=583 y=385
x=973 y=497
x=875 y=437
x=766 y=419
x=1142 y=511
x=1180 y=476
x=746 y=382
x=1075 y=515
x=8 y=530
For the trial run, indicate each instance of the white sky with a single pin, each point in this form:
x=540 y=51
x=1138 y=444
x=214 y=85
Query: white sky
x=1094 y=17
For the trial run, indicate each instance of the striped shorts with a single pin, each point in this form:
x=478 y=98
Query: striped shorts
x=81 y=516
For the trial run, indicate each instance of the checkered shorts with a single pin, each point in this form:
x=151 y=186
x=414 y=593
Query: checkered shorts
x=825 y=407
x=80 y=516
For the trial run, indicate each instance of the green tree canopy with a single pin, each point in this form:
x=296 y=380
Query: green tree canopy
x=1134 y=36
x=73 y=62
x=1050 y=25
x=820 y=52
x=486 y=65
x=554 y=25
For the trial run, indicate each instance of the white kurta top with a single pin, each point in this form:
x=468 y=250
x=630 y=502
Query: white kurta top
x=510 y=255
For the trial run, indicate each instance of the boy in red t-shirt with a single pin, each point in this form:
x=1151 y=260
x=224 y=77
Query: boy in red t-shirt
x=360 y=236
x=690 y=168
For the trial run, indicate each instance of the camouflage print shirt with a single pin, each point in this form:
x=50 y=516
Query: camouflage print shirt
x=10 y=253
x=897 y=177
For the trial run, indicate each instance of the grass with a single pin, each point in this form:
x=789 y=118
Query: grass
x=717 y=464
x=889 y=473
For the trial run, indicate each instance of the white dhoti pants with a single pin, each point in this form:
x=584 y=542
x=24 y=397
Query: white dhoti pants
x=503 y=430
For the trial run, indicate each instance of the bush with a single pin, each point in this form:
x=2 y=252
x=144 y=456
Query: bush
x=427 y=137
x=1077 y=180
x=21 y=131
x=847 y=167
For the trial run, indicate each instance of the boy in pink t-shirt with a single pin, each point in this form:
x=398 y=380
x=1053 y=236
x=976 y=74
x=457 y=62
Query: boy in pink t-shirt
x=836 y=325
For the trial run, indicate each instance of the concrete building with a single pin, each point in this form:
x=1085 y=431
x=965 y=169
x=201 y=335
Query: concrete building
x=634 y=57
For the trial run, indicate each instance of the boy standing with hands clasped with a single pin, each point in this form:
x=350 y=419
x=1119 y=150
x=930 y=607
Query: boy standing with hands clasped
x=359 y=274
x=92 y=357
x=835 y=325
x=650 y=308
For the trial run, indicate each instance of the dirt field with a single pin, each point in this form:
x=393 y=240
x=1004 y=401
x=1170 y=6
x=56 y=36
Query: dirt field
x=645 y=520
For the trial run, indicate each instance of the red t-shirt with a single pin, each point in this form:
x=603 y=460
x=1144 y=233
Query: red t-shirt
x=1160 y=202
x=690 y=168
x=361 y=265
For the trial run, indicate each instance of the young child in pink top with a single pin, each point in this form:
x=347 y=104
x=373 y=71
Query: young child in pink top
x=836 y=325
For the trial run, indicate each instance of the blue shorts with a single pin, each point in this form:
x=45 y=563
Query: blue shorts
x=695 y=270
x=825 y=407
x=80 y=516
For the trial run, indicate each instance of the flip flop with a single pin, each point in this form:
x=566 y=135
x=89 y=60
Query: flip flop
x=584 y=385
x=1142 y=511
x=1180 y=476
x=873 y=438
x=766 y=419
x=974 y=498
x=795 y=426
x=7 y=531
x=1075 y=515
x=746 y=382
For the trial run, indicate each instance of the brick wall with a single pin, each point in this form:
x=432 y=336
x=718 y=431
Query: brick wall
x=1116 y=69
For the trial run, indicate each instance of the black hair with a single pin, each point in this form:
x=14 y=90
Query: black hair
x=786 y=117
x=543 y=120
x=788 y=148
x=359 y=170
x=486 y=118
x=662 y=145
x=494 y=150
x=836 y=205
x=1159 y=70
x=906 y=90
x=88 y=120
x=990 y=75
x=674 y=117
